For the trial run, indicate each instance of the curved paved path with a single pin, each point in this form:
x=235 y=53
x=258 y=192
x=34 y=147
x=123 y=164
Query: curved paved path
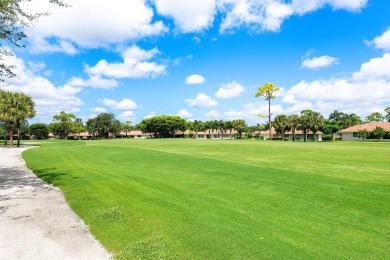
x=35 y=220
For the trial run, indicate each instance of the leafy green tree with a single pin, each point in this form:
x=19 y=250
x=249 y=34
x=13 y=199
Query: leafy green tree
x=91 y=127
x=66 y=124
x=349 y=120
x=363 y=134
x=331 y=127
x=39 y=130
x=240 y=126
x=14 y=108
x=267 y=91
x=379 y=132
x=195 y=127
x=163 y=126
x=106 y=125
x=281 y=125
x=13 y=21
x=387 y=116
x=229 y=126
x=375 y=117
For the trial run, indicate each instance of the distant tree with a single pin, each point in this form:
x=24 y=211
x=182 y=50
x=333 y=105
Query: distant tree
x=331 y=127
x=229 y=126
x=267 y=91
x=66 y=124
x=305 y=122
x=375 y=117
x=240 y=126
x=79 y=126
x=126 y=126
x=317 y=122
x=349 y=120
x=91 y=127
x=207 y=126
x=39 y=130
x=281 y=125
x=163 y=126
x=363 y=134
x=195 y=126
x=294 y=123
x=387 y=116
x=379 y=132
x=106 y=125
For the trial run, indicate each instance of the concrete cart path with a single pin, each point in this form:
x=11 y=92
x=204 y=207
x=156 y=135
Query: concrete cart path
x=35 y=220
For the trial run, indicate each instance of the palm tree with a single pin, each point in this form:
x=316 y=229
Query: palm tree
x=281 y=124
x=267 y=91
x=79 y=126
x=294 y=124
x=304 y=122
x=126 y=126
x=317 y=122
x=14 y=108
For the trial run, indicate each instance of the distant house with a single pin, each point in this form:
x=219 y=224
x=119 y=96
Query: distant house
x=217 y=134
x=351 y=133
x=299 y=135
x=132 y=134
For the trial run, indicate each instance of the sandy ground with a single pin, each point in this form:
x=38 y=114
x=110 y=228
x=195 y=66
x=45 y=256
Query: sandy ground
x=35 y=220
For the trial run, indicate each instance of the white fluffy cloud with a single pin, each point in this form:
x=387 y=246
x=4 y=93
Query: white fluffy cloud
x=98 y=109
x=201 y=101
x=151 y=114
x=316 y=63
x=94 y=81
x=124 y=104
x=189 y=15
x=136 y=64
x=195 y=79
x=213 y=114
x=229 y=90
x=383 y=41
x=363 y=92
x=91 y=23
x=49 y=99
x=268 y=15
x=127 y=116
x=184 y=114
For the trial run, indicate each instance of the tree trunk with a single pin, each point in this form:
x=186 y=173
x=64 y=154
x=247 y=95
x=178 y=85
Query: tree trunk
x=11 y=137
x=269 y=119
x=293 y=132
x=18 y=138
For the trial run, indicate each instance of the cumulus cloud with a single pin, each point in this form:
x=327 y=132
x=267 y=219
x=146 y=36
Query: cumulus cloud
x=269 y=15
x=189 y=15
x=127 y=116
x=195 y=79
x=124 y=104
x=136 y=64
x=229 y=90
x=213 y=114
x=49 y=99
x=94 y=81
x=201 y=101
x=316 y=63
x=98 y=109
x=360 y=93
x=383 y=41
x=184 y=114
x=93 y=24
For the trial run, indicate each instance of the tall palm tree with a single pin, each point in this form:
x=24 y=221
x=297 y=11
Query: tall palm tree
x=304 y=122
x=126 y=126
x=267 y=91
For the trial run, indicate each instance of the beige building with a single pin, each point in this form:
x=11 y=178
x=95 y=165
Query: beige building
x=351 y=133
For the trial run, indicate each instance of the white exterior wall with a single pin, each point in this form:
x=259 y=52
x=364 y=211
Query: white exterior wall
x=349 y=137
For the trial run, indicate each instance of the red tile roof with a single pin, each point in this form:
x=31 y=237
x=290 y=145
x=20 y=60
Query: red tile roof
x=368 y=126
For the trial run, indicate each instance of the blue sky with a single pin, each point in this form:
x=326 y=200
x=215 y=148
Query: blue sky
x=204 y=59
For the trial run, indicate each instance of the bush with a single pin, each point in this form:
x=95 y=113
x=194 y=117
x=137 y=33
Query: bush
x=327 y=138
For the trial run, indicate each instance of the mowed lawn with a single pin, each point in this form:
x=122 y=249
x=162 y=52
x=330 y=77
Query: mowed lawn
x=226 y=199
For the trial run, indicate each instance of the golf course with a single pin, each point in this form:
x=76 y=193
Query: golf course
x=225 y=199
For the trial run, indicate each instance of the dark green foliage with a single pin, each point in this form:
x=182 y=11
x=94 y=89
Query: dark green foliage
x=163 y=126
x=39 y=130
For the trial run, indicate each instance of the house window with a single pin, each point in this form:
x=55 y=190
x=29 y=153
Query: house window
x=355 y=134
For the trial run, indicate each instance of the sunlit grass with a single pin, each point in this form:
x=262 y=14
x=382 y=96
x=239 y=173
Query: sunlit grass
x=226 y=199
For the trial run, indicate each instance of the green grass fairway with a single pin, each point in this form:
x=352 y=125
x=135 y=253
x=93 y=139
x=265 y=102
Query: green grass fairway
x=226 y=199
